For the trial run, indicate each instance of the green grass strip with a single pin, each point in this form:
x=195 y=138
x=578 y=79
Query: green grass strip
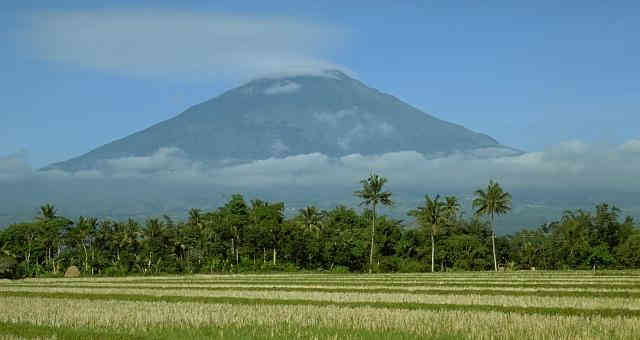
x=253 y=332
x=400 y=284
x=556 y=311
x=367 y=279
x=481 y=292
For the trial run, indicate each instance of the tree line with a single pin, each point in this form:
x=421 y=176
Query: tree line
x=243 y=236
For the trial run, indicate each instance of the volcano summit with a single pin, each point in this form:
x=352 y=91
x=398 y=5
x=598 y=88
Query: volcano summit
x=329 y=113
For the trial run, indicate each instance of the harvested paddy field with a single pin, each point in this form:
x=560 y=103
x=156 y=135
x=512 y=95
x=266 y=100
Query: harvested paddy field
x=523 y=305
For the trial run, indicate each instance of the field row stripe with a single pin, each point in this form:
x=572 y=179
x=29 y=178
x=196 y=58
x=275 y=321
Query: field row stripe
x=368 y=279
x=369 y=283
x=25 y=330
x=564 y=311
x=539 y=293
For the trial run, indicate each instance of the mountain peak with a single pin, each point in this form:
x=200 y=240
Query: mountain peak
x=284 y=75
x=290 y=114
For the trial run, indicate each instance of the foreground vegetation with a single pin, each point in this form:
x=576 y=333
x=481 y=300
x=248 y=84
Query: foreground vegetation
x=256 y=236
x=519 y=305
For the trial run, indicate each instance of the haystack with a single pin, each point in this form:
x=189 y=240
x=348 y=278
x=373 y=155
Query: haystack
x=72 y=271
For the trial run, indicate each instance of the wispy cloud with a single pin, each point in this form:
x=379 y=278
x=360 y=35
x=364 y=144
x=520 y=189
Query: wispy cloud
x=568 y=175
x=283 y=88
x=571 y=165
x=166 y=42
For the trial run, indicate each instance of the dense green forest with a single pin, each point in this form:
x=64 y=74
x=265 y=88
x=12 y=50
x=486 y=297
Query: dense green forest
x=252 y=236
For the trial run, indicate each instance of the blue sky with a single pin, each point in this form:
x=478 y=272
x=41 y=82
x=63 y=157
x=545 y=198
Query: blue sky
x=531 y=76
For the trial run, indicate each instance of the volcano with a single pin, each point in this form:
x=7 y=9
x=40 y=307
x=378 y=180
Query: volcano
x=275 y=117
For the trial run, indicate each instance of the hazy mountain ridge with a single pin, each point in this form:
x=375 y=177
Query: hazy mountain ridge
x=331 y=114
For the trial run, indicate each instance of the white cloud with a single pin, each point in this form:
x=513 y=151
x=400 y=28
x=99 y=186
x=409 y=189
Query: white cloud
x=356 y=133
x=278 y=148
x=365 y=126
x=163 y=160
x=565 y=167
x=283 y=88
x=565 y=176
x=334 y=118
x=165 y=42
x=363 y=131
x=569 y=166
x=632 y=146
x=334 y=72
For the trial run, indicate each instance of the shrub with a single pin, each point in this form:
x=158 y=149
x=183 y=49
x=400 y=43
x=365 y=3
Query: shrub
x=115 y=271
x=340 y=270
x=412 y=266
x=8 y=267
x=388 y=264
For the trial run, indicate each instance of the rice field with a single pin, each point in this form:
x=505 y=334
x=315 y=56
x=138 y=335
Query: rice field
x=521 y=305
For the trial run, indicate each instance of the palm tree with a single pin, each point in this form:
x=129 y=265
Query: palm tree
x=452 y=208
x=154 y=235
x=83 y=234
x=372 y=195
x=7 y=265
x=310 y=218
x=433 y=215
x=119 y=239
x=494 y=201
x=47 y=212
x=195 y=216
x=5 y=251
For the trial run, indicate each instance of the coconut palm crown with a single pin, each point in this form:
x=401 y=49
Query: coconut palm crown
x=452 y=208
x=310 y=218
x=47 y=212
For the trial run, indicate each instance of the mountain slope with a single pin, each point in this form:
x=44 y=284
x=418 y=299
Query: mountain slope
x=328 y=113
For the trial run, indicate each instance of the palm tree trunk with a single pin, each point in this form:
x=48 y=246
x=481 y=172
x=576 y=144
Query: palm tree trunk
x=433 y=252
x=28 y=259
x=275 y=254
x=373 y=233
x=233 y=248
x=86 y=259
x=493 y=242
